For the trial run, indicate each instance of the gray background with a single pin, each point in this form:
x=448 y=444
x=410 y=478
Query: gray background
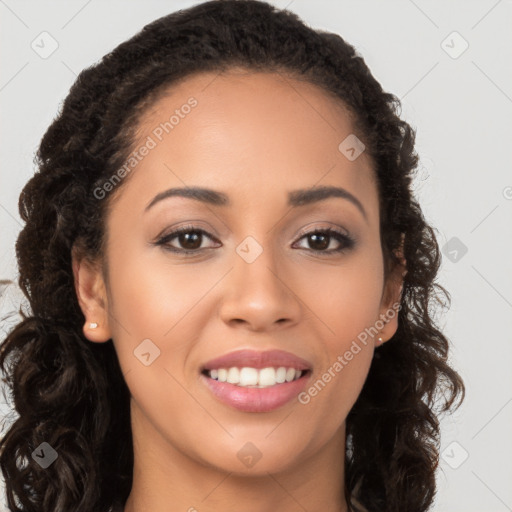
x=459 y=102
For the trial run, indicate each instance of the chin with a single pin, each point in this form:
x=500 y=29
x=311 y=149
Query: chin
x=254 y=458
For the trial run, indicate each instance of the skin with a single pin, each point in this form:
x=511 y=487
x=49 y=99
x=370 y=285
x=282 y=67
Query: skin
x=197 y=308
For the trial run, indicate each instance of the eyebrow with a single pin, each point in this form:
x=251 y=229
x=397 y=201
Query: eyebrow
x=296 y=198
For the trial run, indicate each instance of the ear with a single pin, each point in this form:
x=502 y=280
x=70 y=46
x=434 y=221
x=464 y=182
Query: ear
x=391 y=299
x=91 y=293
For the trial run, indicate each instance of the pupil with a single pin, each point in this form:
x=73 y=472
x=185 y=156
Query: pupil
x=185 y=239
x=323 y=245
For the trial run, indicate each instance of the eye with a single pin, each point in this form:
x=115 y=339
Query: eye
x=320 y=240
x=188 y=237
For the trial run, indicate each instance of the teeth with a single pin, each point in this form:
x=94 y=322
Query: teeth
x=281 y=374
x=255 y=378
x=233 y=376
x=248 y=377
x=267 y=377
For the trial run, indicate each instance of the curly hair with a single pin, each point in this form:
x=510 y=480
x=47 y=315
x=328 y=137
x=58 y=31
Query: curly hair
x=71 y=393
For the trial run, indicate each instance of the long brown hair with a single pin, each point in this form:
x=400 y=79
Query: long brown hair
x=70 y=393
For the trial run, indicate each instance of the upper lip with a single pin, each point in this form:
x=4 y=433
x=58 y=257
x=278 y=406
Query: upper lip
x=258 y=359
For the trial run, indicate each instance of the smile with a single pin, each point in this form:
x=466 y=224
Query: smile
x=253 y=377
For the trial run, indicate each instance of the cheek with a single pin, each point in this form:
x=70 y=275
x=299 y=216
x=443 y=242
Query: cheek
x=151 y=296
x=346 y=299
x=160 y=304
x=169 y=304
x=348 y=350
x=347 y=303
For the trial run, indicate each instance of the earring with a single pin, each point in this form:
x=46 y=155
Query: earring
x=380 y=340
x=93 y=325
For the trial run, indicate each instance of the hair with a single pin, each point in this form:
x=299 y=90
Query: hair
x=71 y=393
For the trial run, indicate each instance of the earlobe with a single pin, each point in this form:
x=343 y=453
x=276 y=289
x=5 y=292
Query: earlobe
x=91 y=295
x=388 y=319
x=391 y=302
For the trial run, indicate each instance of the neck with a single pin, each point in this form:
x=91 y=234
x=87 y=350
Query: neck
x=166 y=479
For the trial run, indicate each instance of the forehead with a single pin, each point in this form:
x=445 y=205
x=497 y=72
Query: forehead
x=247 y=132
x=250 y=100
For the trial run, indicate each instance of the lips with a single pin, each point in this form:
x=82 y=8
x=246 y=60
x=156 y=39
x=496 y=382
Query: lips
x=256 y=392
x=258 y=360
x=255 y=399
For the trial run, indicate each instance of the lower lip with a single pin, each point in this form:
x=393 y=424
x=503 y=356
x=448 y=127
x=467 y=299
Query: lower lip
x=256 y=399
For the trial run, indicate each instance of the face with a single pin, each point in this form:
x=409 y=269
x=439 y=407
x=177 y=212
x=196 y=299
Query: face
x=265 y=271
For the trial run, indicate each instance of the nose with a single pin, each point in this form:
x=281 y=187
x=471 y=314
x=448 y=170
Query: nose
x=260 y=295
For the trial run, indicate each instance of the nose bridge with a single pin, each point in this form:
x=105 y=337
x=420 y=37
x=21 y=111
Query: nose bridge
x=257 y=291
x=256 y=266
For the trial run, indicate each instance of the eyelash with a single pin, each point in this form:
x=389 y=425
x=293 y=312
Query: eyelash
x=347 y=242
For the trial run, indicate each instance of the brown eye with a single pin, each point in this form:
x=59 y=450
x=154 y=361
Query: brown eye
x=320 y=239
x=188 y=240
x=319 y=242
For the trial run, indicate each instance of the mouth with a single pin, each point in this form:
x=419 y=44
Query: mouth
x=248 y=377
x=252 y=381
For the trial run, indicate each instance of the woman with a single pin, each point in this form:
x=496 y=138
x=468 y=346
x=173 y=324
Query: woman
x=231 y=283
